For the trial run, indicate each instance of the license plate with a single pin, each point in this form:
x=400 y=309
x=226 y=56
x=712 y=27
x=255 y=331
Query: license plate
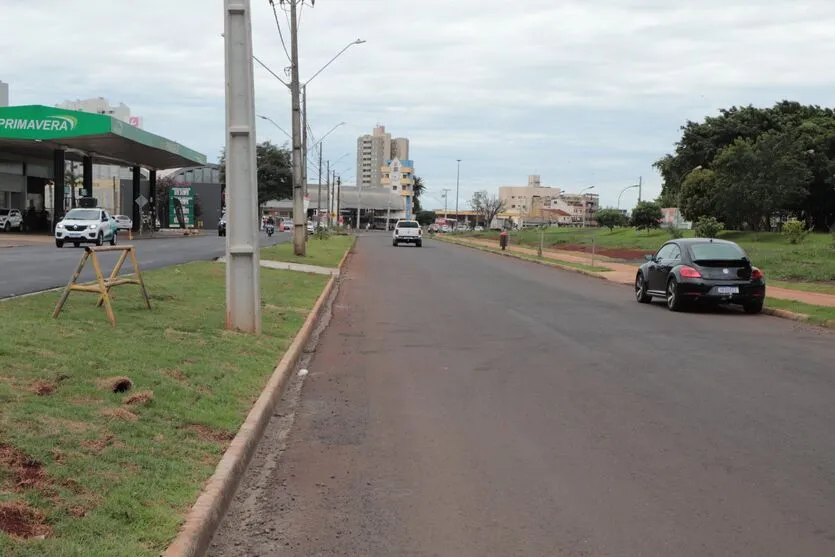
x=728 y=289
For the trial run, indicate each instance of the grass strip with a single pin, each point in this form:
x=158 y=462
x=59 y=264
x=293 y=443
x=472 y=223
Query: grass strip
x=98 y=472
x=526 y=257
x=324 y=252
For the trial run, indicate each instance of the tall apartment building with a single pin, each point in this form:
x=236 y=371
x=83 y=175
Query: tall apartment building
x=374 y=150
x=100 y=105
x=4 y=93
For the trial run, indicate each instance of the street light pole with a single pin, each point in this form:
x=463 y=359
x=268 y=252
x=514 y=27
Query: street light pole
x=319 y=195
x=457 y=184
x=628 y=188
x=299 y=222
x=243 y=278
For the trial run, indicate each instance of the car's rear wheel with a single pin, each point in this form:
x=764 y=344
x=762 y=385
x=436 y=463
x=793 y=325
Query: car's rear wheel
x=113 y=239
x=674 y=302
x=76 y=244
x=394 y=243
x=420 y=244
x=100 y=239
x=641 y=290
x=753 y=307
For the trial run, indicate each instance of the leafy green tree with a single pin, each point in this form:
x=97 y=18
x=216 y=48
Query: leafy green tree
x=425 y=218
x=708 y=227
x=275 y=172
x=646 y=215
x=785 y=155
x=610 y=218
x=698 y=196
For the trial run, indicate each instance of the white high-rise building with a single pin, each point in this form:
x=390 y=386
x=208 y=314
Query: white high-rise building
x=373 y=153
x=4 y=93
x=100 y=105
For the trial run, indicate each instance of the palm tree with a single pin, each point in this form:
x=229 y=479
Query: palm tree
x=417 y=190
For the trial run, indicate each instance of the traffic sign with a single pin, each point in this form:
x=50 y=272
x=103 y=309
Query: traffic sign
x=141 y=201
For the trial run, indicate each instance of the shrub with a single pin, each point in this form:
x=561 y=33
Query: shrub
x=708 y=227
x=795 y=231
x=675 y=232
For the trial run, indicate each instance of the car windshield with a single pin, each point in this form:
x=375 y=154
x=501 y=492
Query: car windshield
x=4 y=212
x=83 y=214
x=712 y=251
x=407 y=224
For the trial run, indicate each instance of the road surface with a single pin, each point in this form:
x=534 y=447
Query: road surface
x=464 y=404
x=42 y=266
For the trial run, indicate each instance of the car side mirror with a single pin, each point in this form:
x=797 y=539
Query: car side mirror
x=649 y=257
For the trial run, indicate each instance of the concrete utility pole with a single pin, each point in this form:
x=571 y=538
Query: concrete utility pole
x=299 y=218
x=445 y=196
x=359 y=203
x=640 y=183
x=338 y=180
x=330 y=196
x=319 y=195
x=243 y=278
x=457 y=184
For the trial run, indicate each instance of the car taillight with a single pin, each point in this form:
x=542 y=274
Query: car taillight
x=689 y=272
x=756 y=274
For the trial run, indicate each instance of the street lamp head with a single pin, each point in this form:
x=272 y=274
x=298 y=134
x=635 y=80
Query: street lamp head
x=359 y=41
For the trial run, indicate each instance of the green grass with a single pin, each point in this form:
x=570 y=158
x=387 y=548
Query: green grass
x=812 y=261
x=527 y=257
x=819 y=288
x=818 y=315
x=134 y=477
x=326 y=252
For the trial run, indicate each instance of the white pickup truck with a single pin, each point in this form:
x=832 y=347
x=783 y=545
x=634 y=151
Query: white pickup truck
x=407 y=232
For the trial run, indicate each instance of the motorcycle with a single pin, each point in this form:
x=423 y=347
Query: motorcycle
x=270 y=229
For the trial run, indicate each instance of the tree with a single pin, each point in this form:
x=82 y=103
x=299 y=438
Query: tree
x=610 y=218
x=275 y=172
x=417 y=189
x=784 y=156
x=698 y=196
x=646 y=214
x=486 y=207
x=425 y=218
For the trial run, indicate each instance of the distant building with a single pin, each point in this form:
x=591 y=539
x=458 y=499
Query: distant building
x=671 y=216
x=374 y=151
x=4 y=93
x=578 y=203
x=527 y=202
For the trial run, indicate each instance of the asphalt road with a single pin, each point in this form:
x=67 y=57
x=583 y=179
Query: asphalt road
x=464 y=404
x=42 y=266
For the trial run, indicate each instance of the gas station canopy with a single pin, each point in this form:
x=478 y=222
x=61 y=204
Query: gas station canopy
x=38 y=131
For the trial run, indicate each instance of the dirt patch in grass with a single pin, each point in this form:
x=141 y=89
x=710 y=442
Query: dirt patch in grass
x=19 y=520
x=626 y=254
x=43 y=388
x=139 y=399
x=177 y=374
x=26 y=472
x=207 y=433
x=98 y=445
x=120 y=413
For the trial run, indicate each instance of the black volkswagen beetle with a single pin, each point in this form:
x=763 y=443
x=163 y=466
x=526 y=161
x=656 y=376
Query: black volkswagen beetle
x=701 y=270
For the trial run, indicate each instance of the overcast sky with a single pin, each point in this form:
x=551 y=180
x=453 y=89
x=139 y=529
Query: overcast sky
x=582 y=92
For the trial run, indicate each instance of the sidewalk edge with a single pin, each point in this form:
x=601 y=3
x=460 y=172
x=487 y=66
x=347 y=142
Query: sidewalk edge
x=206 y=514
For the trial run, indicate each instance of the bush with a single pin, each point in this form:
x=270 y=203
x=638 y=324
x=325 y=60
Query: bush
x=708 y=227
x=795 y=231
x=321 y=233
x=675 y=232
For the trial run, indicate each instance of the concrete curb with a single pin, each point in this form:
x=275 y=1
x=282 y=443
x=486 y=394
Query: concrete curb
x=774 y=312
x=205 y=516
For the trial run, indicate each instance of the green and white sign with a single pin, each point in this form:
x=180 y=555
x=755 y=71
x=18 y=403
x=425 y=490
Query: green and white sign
x=44 y=123
x=181 y=207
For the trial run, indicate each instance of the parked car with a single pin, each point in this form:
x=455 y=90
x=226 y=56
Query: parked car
x=11 y=219
x=123 y=222
x=86 y=226
x=701 y=270
x=407 y=232
x=221 y=225
x=311 y=227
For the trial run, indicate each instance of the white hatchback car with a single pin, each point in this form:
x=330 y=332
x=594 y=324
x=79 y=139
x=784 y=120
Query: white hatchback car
x=123 y=222
x=86 y=226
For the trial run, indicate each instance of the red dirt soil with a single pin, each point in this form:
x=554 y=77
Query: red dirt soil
x=628 y=254
x=26 y=472
x=18 y=520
